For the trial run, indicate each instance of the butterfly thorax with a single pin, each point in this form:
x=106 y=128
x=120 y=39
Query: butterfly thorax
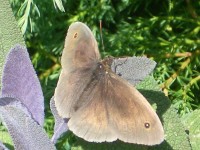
x=103 y=67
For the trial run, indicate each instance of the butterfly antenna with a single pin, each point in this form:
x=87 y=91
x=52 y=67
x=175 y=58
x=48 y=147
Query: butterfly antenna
x=101 y=35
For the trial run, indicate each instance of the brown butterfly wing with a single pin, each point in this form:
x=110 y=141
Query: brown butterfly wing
x=79 y=58
x=81 y=49
x=113 y=109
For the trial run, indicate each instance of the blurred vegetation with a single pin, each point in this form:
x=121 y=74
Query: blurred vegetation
x=165 y=31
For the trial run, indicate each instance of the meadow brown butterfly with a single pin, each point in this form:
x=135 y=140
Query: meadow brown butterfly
x=100 y=105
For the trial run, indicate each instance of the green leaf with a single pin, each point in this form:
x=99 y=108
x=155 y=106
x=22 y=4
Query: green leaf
x=9 y=32
x=58 y=3
x=117 y=145
x=5 y=138
x=175 y=135
x=191 y=122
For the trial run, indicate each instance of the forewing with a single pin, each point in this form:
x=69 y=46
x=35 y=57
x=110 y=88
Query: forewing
x=114 y=109
x=79 y=58
x=81 y=49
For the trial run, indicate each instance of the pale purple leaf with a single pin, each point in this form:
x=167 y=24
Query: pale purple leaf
x=25 y=132
x=133 y=69
x=8 y=101
x=60 y=124
x=20 y=81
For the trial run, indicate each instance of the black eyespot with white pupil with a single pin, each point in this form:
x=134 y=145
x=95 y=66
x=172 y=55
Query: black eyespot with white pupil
x=147 y=125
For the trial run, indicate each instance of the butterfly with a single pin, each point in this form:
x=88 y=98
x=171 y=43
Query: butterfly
x=101 y=106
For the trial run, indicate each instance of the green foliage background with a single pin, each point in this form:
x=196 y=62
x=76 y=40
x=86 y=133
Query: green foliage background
x=165 y=31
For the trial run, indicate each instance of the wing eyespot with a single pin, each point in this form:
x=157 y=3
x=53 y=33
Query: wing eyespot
x=75 y=35
x=147 y=125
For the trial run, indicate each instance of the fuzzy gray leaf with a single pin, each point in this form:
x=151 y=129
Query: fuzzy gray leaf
x=8 y=101
x=191 y=122
x=133 y=69
x=60 y=124
x=9 y=32
x=25 y=132
x=20 y=81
